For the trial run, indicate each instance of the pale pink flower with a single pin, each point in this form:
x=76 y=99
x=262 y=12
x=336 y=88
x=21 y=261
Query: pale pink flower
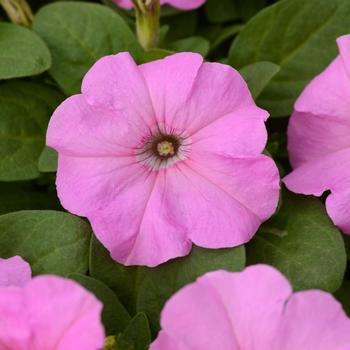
x=251 y=310
x=180 y=4
x=319 y=138
x=163 y=155
x=46 y=312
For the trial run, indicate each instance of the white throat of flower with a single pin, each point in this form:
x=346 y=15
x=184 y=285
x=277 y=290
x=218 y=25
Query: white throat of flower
x=160 y=150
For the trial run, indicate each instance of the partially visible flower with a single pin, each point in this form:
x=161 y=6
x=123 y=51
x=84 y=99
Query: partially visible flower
x=46 y=312
x=319 y=138
x=251 y=310
x=180 y=4
x=14 y=272
x=163 y=155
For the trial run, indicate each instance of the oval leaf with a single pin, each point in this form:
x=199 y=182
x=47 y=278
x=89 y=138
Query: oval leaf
x=22 y=52
x=78 y=34
x=303 y=244
x=298 y=38
x=24 y=114
x=114 y=316
x=51 y=241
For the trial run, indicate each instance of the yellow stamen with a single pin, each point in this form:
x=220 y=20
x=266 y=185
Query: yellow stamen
x=165 y=149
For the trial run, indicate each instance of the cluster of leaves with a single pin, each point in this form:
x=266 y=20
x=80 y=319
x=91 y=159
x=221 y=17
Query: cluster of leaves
x=277 y=46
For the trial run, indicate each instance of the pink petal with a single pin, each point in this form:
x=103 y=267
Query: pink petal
x=240 y=133
x=139 y=227
x=313 y=320
x=224 y=310
x=14 y=272
x=15 y=332
x=311 y=137
x=208 y=210
x=328 y=94
x=180 y=4
x=79 y=129
x=50 y=313
x=217 y=91
x=115 y=83
x=328 y=173
x=344 y=49
x=321 y=120
x=185 y=4
x=252 y=180
x=170 y=81
x=88 y=184
x=62 y=315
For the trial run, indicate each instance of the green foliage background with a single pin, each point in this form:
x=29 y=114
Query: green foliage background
x=278 y=46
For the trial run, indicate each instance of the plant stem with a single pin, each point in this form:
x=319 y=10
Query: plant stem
x=18 y=11
x=147 y=22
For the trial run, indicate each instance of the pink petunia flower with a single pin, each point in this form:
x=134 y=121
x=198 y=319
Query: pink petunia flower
x=251 y=310
x=318 y=138
x=180 y=4
x=46 y=312
x=164 y=154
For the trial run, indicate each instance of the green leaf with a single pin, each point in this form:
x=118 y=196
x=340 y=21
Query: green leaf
x=153 y=54
x=137 y=335
x=192 y=44
x=223 y=35
x=24 y=196
x=302 y=242
x=121 y=279
x=147 y=289
x=155 y=286
x=22 y=52
x=48 y=160
x=221 y=11
x=181 y=25
x=51 y=241
x=78 y=34
x=297 y=35
x=114 y=316
x=24 y=114
x=258 y=75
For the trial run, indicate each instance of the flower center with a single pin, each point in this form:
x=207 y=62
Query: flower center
x=159 y=150
x=165 y=149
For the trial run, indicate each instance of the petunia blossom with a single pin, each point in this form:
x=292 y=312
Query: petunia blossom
x=251 y=310
x=163 y=155
x=318 y=138
x=46 y=312
x=180 y=4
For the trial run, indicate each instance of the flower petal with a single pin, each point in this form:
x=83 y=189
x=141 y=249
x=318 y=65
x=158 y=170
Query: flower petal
x=88 y=184
x=311 y=137
x=252 y=180
x=313 y=320
x=224 y=310
x=185 y=4
x=240 y=133
x=138 y=228
x=218 y=90
x=329 y=173
x=170 y=81
x=115 y=83
x=62 y=315
x=78 y=129
x=344 y=49
x=14 y=272
x=14 y=329
x=328 y=94
x=208 y=211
